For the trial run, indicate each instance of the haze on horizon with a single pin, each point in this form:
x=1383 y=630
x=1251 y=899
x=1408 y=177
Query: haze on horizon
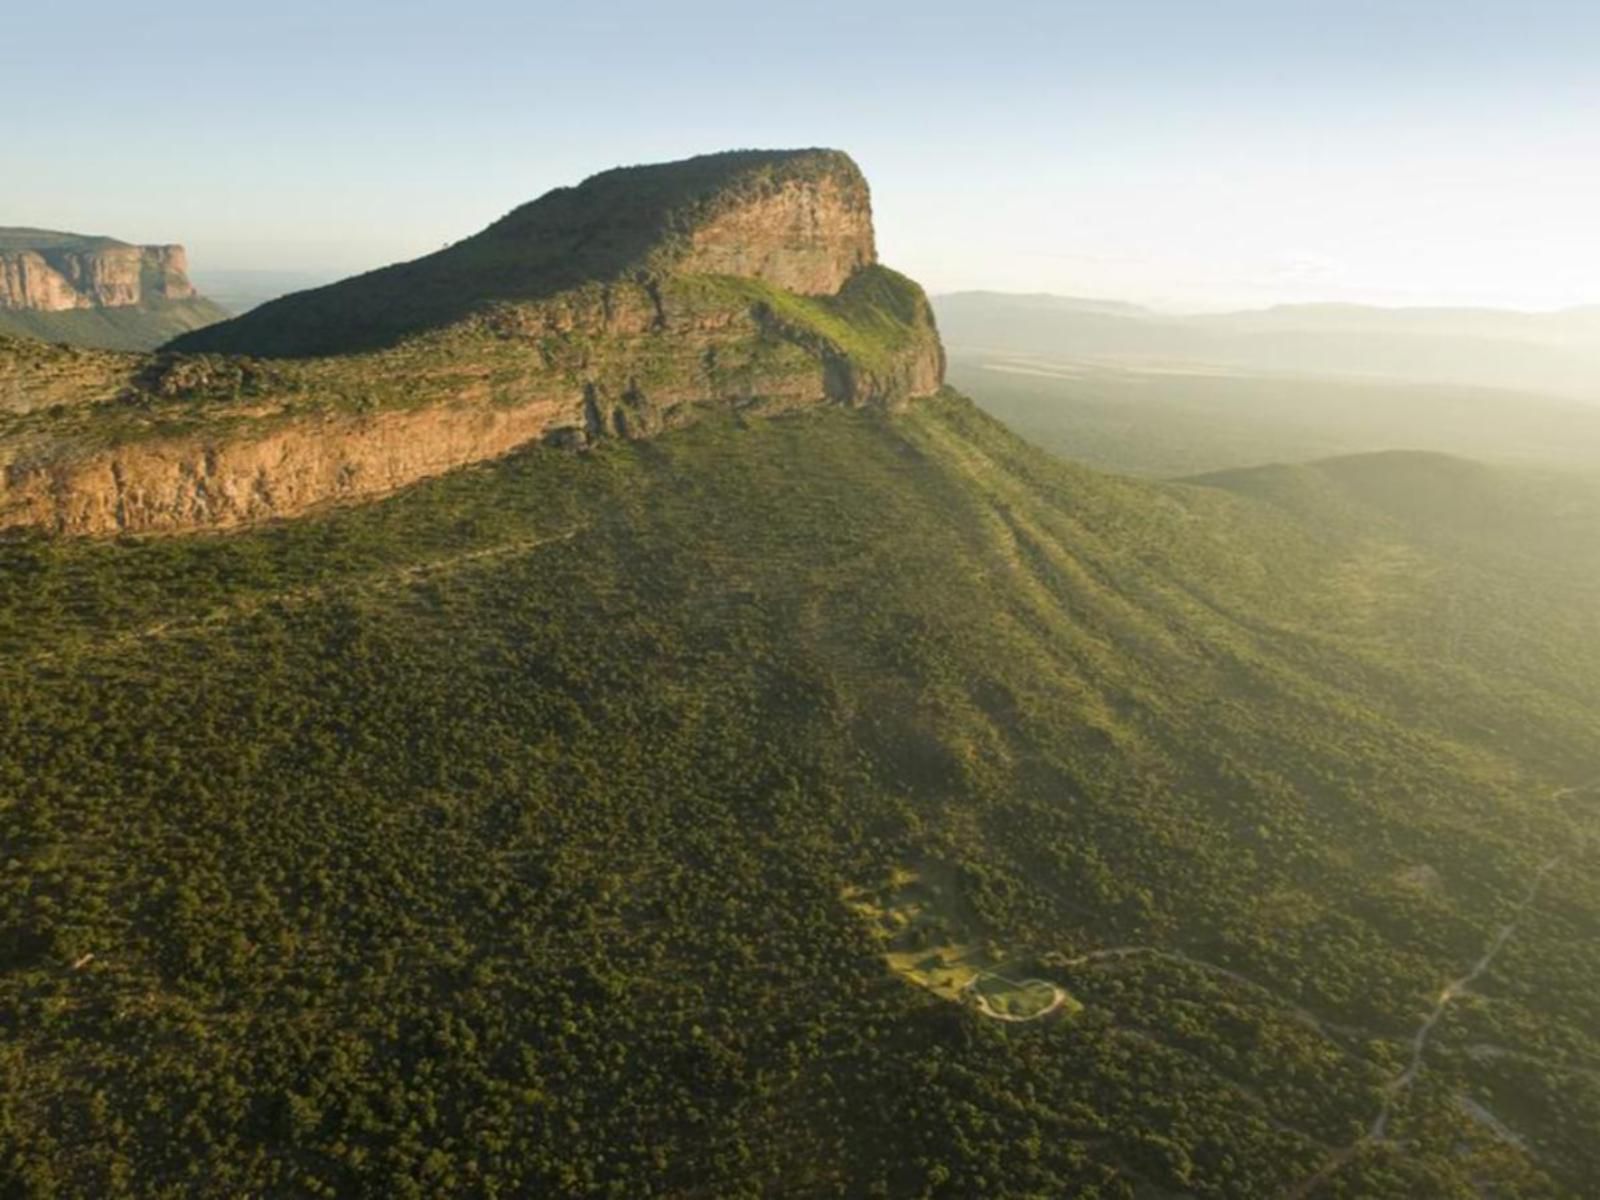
x=1256 y=152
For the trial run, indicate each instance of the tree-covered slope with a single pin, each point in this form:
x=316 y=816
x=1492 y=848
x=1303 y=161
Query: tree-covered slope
x=608 y=824
x=134 y=327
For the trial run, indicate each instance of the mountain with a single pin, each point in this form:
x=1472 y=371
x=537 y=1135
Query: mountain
x=799 y=221
x=635 y=302
x=827 y=794
x=96 y=291
x=1556 y=353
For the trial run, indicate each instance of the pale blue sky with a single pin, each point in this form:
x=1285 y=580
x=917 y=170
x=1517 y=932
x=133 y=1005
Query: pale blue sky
x=1187 y=151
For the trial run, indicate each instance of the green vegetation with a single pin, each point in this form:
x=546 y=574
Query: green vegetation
x=38 y=376
x=625 y=225
x=876 y=314
x=134 y=327
x=13 y=237
x=534 y=832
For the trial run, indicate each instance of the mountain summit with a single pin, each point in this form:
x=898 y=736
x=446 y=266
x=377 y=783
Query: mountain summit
x=632 y=303
x=799 y=220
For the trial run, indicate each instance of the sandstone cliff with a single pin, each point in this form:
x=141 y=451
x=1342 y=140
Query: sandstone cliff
x=619 y=308
x=44 y=271
x=96 y=292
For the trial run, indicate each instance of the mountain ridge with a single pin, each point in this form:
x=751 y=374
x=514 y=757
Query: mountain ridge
x=1554 y=352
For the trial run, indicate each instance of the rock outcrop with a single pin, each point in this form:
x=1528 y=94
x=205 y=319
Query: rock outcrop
x=96 y=292
x=61 y=272
x=620 y=308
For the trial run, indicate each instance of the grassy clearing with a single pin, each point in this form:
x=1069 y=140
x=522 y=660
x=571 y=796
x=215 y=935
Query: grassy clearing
x=1020 y=1000
x=933 y=938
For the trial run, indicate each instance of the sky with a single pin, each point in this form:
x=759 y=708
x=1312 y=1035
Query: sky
x=1183 y=153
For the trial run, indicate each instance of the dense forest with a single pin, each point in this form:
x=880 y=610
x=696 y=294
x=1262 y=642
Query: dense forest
x=521 y=834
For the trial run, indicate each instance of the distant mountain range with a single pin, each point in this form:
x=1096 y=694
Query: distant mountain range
x=96 y=291
x=1555 y=352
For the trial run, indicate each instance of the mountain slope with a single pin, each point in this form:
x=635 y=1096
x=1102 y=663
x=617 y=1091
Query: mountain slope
x=1542 y=522
x=611 y=824
x=96 y=292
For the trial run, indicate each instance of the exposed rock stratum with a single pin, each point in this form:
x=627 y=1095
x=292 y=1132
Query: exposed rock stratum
x=618 y=308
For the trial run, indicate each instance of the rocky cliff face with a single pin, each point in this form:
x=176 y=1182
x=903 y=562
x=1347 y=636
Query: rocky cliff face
x=805 y=234
x=97 y=274
x=747 y=284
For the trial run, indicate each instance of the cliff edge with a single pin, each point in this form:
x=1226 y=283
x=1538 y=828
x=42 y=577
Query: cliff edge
x=96 y=291
x=621 y=307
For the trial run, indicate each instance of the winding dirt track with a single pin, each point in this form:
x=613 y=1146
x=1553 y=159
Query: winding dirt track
x=1419 y=1040
x=1378 y=1130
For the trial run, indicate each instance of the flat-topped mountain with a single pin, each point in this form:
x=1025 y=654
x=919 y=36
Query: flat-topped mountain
x=797 y=220
x=96 y=291
x=627 y=305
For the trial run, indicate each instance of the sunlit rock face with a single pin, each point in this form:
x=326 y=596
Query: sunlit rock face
x=620 y=308
x=103 y=274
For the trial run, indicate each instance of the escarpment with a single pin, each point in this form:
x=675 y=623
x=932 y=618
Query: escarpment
x=59 y=272
x=96 y=291
x=622 y=307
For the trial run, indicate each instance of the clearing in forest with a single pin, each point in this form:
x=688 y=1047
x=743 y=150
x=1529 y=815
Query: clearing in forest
x=932 y=937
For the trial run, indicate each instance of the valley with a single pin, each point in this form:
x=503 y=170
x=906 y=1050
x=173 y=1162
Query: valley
x=1172 y=418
